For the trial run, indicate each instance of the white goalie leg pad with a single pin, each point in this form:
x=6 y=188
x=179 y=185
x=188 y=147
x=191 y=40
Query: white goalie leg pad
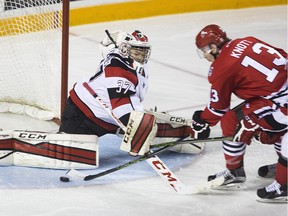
x=56 y=151
x=169 y=119
x=78 y=151
x=171 y=128
x=140 y=133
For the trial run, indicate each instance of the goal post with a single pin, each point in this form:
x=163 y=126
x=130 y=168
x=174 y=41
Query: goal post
x=34 y=40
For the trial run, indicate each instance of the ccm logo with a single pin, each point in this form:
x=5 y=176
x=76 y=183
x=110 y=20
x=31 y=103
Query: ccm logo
x=177 y=119
x=32 y=136
x=128 y=131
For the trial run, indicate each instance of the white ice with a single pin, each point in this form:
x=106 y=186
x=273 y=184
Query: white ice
x=178 y=84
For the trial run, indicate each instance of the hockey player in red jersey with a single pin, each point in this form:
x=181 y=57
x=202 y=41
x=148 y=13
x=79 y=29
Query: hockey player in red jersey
x=256 y=72
x=121 y=82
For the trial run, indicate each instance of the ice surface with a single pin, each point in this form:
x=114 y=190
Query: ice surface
x=177 y=84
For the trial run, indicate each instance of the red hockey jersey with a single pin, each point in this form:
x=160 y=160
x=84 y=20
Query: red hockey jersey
x=248 y=68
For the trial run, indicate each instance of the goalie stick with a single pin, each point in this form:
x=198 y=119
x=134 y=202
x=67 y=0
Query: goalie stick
x=110 y=37
x=165 y=146
x=167 y=175
x=190 y=141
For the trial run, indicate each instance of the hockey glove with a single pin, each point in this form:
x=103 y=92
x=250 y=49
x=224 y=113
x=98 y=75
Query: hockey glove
x=200 y=128
x=246 y=129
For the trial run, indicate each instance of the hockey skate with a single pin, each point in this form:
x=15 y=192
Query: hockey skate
x=273 y=193
x=267 y=171
x=234 y=179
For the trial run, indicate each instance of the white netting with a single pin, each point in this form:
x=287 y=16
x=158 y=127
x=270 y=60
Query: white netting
x=30 y=55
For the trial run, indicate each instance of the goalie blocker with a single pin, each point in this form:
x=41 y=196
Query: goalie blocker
x=146 y=129
x=48 y=150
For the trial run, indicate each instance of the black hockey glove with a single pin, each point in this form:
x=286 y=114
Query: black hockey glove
x=200 y=128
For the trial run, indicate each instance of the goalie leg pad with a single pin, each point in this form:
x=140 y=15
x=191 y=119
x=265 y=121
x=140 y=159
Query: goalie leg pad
x=175 y=131
x=140 y=133
x=171 y=126
x=169 y=119
x=44 y=150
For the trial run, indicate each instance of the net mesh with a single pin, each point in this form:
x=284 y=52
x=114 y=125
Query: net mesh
x=30 y=55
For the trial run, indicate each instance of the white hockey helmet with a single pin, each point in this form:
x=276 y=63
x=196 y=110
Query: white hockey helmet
x=138 y=47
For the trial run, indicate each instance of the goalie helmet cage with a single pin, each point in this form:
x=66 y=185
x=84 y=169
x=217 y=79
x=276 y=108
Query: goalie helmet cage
x=34 y=40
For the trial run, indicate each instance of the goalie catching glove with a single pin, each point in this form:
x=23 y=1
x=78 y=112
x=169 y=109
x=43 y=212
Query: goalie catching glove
x=140 y=133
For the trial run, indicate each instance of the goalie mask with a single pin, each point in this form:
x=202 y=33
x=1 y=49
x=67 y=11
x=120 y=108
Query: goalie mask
x=138 y=47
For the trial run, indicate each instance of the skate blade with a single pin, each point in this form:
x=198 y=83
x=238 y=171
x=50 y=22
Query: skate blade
x=277 y=200
x=231 y=187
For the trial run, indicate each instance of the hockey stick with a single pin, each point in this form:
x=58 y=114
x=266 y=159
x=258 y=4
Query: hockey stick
x=110 y=37
x=164 y=147
x=190 y=141
x=76 y=174
x=160 y=168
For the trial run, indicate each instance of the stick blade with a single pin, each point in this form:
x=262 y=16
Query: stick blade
x=201 y=188
x=75 y=174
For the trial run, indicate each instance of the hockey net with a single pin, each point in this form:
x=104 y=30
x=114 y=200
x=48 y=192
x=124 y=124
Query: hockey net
x=31 y=57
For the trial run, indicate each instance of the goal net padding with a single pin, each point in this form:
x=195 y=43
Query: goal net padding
x=31 y=60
